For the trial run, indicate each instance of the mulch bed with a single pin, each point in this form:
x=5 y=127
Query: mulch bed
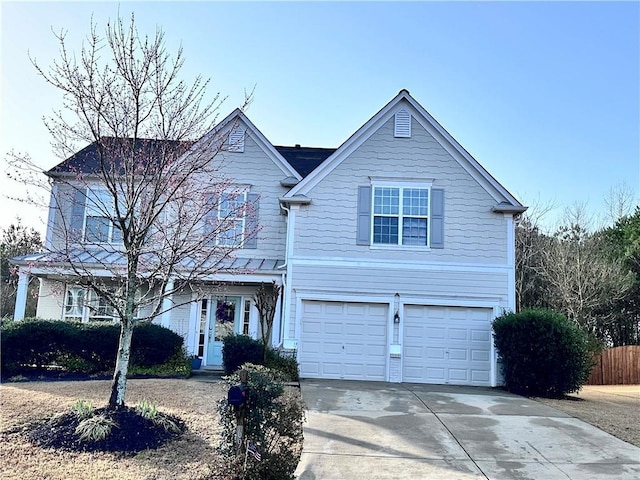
x=132 y=433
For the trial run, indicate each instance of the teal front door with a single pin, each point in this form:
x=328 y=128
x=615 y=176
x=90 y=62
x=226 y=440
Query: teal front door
x=224 y=319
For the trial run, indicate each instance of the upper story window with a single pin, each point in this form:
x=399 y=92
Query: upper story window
x=233 y=222
x=400 y=215
x=232 y=218
x=409 y=213
x=99 y=211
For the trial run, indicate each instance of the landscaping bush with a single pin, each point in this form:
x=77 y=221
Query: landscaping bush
x=273 y=423
x=286 y=366
x=153 y=345
x=33 y=346
x=34 y=343
x=542 y=353
x=239 y=349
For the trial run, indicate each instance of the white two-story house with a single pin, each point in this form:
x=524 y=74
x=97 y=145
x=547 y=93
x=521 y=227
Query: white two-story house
x=395 y=252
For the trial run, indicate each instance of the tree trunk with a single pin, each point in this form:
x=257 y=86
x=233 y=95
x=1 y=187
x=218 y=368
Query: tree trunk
x=119 y=382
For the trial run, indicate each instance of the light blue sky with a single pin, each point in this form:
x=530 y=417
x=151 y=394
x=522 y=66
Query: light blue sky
x=544 y=95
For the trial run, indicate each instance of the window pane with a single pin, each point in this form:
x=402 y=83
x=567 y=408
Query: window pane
x=232 y=235
x=116 y=235
x=386 y=201
x=414 y=231
x=97 y=229
x=415 y=202
x=230 y=206
x=385 y=230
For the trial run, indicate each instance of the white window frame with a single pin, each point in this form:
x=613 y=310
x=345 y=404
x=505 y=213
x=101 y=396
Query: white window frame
x=401 y=186
x=76 y=308
x=241 y=199
x=96 y=206
x=83 y=311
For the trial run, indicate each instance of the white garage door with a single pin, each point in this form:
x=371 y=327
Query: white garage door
x=447 y=345
x=343 y=340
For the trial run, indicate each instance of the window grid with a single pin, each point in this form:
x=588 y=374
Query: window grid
x=231 y=216
x=408 y=225
x=99 y=210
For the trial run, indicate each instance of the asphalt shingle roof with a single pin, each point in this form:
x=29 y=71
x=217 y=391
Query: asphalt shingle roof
x=304 y=159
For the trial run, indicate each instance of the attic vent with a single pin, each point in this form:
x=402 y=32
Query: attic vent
x=403 y=124
x=236 y=140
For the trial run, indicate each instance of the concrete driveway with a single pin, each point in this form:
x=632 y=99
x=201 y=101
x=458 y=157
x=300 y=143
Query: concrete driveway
x=372 y=430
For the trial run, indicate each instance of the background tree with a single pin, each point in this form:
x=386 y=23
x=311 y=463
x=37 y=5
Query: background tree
x=16 y=240
x=164 y=216
x=623 y=242
x=530 y=244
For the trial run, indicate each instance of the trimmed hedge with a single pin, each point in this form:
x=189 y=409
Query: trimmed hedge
x=542 y=352
x=240 y=349
x=33 y=345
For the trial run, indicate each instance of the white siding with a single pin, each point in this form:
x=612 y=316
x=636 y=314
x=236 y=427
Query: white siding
x=253 y=167
x=180 y=315
x=473 y=233
x=488 y=286
x=50 y=299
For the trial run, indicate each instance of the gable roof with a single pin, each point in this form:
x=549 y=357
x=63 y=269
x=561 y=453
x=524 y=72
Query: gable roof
x=304 y=159
x=231 y=121
x=403 y=99
x=88 y=161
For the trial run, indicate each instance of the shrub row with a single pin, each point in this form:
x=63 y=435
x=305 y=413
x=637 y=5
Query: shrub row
x=240 y=349
x=542 y=353
x=34 y=345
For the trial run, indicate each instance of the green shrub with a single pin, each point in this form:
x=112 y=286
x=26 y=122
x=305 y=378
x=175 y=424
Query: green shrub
x=239 y=349
x=286 y=366
x=32 y=346
x=542 y=353
x=153 y=345
x=273 y=423
x=34 y=343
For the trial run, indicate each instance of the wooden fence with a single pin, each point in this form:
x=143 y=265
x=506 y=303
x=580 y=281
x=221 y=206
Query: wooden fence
x=617 y=366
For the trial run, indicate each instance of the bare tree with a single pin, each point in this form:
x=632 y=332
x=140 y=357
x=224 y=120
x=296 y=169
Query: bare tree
x=530 y=243
x=581 y=278
x=619 y=202
x=159 y=216
x=266 y=300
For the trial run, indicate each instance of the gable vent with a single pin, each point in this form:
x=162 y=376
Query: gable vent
x=236 y=140
x=403 y=124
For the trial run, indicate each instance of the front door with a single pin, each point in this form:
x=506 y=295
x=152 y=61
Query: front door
x=224 y=319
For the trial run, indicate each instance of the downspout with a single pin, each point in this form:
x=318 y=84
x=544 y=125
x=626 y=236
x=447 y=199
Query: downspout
x=284 y=295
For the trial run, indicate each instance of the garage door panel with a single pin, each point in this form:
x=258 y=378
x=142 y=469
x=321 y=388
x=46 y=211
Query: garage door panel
x=458 y=354
x=435 y=333
x=447 y=344
x=480 y=356
x=354 y=339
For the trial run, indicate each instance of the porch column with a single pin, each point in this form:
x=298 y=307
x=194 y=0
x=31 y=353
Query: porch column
x=21 y=296
x=167 y=303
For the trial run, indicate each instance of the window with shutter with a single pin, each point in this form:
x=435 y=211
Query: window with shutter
x=404 y=214
x=402 y=124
